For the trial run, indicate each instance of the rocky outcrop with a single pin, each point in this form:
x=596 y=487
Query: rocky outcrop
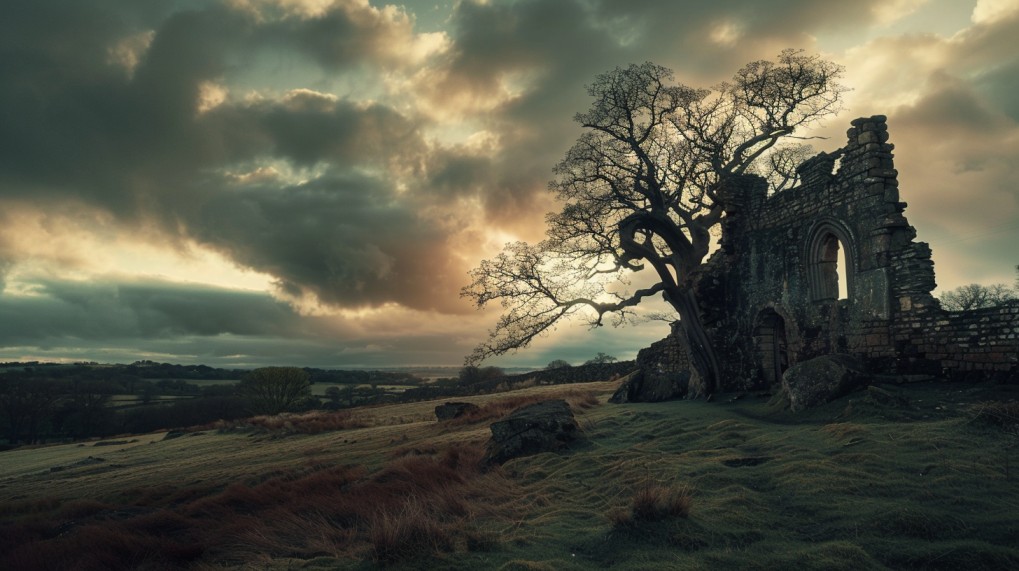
x=546 y=426
x=821 y=380
x=452 y=410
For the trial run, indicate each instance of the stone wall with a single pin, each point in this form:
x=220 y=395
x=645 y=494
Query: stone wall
x=769 y=295
x=970 y=345
x=665 y=358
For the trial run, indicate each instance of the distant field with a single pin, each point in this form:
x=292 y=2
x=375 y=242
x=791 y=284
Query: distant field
x=862 y=483
x=317 y=389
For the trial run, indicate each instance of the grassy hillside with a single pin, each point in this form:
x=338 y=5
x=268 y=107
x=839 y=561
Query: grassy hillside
x=917 y=479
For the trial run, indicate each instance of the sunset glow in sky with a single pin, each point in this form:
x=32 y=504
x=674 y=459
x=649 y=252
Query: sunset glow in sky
x=307 y=182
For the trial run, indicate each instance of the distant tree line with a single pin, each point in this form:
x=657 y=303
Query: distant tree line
x=37 y=409
x=977 y=296
x=473 y=380
x=47 y=402
x=159 y=371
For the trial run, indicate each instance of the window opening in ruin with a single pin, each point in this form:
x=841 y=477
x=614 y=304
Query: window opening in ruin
x=840 y=274
x=828 y=265
x=772 y=346
x=836 y=165
x=829 y=268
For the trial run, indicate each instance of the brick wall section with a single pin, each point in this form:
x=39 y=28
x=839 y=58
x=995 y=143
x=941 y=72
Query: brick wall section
x=766 y=293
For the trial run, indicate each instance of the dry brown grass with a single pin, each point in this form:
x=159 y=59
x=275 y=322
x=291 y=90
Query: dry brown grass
x=411 y=530
x=313 y=422
x=578 y=399
x=229 y=500
x=416 y=506
x=653 y=502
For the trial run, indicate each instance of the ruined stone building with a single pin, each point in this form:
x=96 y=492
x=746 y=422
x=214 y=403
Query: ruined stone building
x=770 y=296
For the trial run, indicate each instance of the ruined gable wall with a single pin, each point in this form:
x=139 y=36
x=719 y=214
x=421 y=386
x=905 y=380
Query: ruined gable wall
x=768 y=293
x=769 y=271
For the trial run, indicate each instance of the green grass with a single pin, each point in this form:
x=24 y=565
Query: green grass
x=857 y=484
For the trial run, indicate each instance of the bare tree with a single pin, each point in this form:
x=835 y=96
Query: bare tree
x=643 y=187
x=272 y=390
x=778 y=166
x=601 y=359
x=976 y=296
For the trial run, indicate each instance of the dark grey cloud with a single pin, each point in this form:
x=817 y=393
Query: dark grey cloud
x=381 y=218
x=555 y=48
x=5 y=266
x=119 y=321
x=74 y=311
x=987 y=53
x=351 y=240
x=1001 y=85
x=951 y=108
x=78 y=124
x=136 y=146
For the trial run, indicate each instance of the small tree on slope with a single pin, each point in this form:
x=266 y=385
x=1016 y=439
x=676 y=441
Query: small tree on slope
x=272 y=390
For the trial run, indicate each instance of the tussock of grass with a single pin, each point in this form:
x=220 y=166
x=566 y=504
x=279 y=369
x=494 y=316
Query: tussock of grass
x=408 y=532
x=1001 y=414
x=653 y=502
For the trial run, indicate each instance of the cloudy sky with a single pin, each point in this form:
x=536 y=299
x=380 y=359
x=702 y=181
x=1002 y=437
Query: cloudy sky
x=244 y=182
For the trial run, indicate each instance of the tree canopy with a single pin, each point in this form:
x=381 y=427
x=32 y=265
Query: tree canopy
x=601 y=359
x=272 y=390
x=977 y=296
x=642 y=188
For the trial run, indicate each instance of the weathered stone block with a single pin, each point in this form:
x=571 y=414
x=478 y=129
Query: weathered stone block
x=546 y=426
x=821 y=380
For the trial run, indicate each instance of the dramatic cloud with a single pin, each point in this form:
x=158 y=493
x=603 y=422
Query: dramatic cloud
x=952 y=116
x=246 y=180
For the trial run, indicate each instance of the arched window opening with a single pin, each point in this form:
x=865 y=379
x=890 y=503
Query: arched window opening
x=830 y=265
x=840 y=273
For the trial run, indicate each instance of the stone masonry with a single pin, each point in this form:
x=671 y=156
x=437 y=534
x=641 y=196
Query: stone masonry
x=770 y=295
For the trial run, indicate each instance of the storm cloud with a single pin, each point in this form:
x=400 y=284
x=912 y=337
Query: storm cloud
x=357 y=163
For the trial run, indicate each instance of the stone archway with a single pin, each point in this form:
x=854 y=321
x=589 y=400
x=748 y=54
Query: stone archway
x=772 y=345
x=827 y=241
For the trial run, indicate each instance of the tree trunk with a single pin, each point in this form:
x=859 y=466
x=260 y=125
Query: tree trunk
x=702 y=353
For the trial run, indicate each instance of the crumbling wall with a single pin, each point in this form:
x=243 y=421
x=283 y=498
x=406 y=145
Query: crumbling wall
x=963 y=345
x=769 y=297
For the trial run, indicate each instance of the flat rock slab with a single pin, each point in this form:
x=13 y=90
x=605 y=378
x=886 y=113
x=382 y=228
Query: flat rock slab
x=452 y=410
x=546 y=426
